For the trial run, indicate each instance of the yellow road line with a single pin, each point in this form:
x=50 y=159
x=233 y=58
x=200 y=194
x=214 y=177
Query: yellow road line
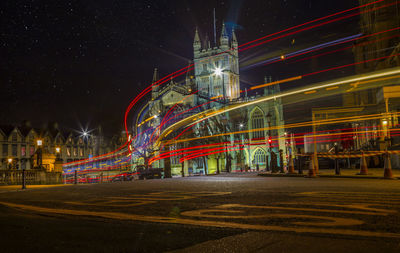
x=220 y=224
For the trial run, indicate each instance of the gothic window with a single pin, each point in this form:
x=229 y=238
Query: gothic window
x=68 y=151
x=23 y=150
x=258 y=123
x=174 y=158
x=259 y=156
x=204 y=67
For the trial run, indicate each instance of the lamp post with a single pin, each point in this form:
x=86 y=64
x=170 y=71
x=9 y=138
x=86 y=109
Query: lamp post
x=58 y=149
x=240 y=152
x=39 y=153
x=10 y=163
x=269 y=139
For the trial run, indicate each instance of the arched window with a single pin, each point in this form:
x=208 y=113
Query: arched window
x=259 y=156
x=257 y=121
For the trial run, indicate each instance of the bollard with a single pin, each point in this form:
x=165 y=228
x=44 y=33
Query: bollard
x=76 y=177
x=363 y=166
x=337 y=167
x=23 y=179
x=388 y=167
x=311 y=168
x=291 y=165
x=316 y=165
x=300 y=162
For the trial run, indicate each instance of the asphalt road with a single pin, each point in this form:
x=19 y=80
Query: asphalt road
x=230 y=213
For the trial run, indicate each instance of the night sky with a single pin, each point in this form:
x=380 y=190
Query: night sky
x=80 y=63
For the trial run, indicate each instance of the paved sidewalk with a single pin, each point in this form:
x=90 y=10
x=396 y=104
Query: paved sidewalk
x=11 y=188
x=374 y=173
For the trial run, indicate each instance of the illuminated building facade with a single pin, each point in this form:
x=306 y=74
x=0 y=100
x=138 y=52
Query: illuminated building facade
x=380 y=40
x=18 y=145
x=212 y=84
x=217 y=68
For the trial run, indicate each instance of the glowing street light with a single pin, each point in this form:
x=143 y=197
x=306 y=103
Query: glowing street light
x=218 y=71
x=10 y=160
x=384 y=122
x=85 y=133
x=39 y=143
x=58 y=149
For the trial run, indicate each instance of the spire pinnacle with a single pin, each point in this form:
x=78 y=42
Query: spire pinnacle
x=155 y=75
x=224 y=39
x=223 y=32
x=234 y=39
x=196 y=36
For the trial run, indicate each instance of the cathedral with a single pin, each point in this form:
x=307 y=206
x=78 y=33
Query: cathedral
x=214 y=82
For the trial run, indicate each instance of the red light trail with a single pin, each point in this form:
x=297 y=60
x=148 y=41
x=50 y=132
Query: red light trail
x=186 y=69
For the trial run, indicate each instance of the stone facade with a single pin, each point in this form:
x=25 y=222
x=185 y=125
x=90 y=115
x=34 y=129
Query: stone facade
x=214 y=83
x=18 y=145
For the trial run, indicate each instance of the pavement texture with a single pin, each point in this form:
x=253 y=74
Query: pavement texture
x=225 y=213
x=374 y=173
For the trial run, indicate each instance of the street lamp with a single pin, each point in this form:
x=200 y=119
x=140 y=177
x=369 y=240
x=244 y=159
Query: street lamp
x=58 y=151
x=9 y=162
x=219 y=72
x=39 y=153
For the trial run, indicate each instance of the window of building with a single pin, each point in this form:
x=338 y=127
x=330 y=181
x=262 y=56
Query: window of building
x=205 y=67
x=68 y=151
x=174 y=159
x=259 y=156
x=23 y=150
x=5 y=149
x=14 y=150
x=75 y=151
x=257 y=123
x=31 y=150
x=80 y=151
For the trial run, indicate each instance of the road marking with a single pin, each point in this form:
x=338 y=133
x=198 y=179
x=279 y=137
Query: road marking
x=330 y=221
x=366 y=197
x=350 y=194
x=366 y=207
x=144 y=199
x=221 y=224
x=378 y=211
x=111 y=202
